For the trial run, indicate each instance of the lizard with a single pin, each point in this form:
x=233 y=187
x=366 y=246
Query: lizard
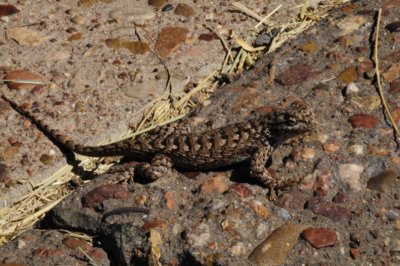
x=253 y=140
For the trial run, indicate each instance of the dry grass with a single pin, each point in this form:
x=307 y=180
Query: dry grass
x=165 y=109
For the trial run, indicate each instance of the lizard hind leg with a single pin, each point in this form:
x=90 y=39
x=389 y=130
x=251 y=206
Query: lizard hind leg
x=160 y=165
x=260 y=172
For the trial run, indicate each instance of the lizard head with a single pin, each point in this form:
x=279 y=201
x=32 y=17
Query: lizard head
x=294 y=120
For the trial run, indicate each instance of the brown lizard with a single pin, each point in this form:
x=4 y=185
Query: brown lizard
x=253 y=140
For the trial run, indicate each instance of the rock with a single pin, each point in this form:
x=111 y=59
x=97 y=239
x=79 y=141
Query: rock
x=384 y=181
x=259 y=208
x=25 y=36
x=350 y=175
x=320 y=237
x=215 y=183
x=321 y=185
x=184 y=10
x=355 y=149
x=340 y=197
x=170 y=200
x=331 y=147
x=135 y=47
x=8 y=10
x=241 y=190
x=396 y=114
x=167 y=7
x=354 y=253
x=297 y=74
x=132 y=13
x=355 y=237
x=293 y=200
x=348 y=75
x=103 y=192
x=393 y=27
x=274 y=250
x=156 y=3
x=199 y=236
x=368 y=103
x=86 y=3
x=170 y=39
x=392 y=73
x=310 y=47
x=24 y=75
x=363 y=121
x=394 y=87
x=78 y=19
x=350 y=24
x=329 y=209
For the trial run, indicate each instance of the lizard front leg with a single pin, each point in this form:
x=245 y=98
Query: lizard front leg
x=160 y=165
x=260 y=172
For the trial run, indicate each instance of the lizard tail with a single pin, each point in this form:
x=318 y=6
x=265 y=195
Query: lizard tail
x=62 y=140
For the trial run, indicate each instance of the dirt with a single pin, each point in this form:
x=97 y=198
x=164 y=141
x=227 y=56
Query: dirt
x=348 y=192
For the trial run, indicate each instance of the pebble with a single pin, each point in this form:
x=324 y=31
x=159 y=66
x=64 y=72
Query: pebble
x=349 y=75
x=170 y=39
x=355 y=149
x=135 y=47
x=274 y=250
x=393 y=27
x=132 y=13
x=363 y=121
x=329 y=209
x=78 y=19
x=184 y=10
x=238 y=249
x=167 y=7
x=8 y=10
x=156 y=3
x=331 y=147
x=45 y=159
x=394 y=87
x=350 y=24
x=384 y=181
x=354 y=253
x=293 y=200
x=340 y=197
x=355 y=237
x=199 y=236
x=321 y=185
x=320 y=237
x=259 y=208
x=351 y=89
x=370 y=103
x=392 y=73
x=215 y=183
x=241 y=190
x=396 y=114
x=104 y=192
x=350 y=175
x=284 y=214
x=25 y=36
x=298 y=74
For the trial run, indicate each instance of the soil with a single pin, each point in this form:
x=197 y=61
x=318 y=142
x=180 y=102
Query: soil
x=345 y=208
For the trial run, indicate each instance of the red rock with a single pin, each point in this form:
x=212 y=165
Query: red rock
x=363 y=121
x=340 y=197
x=8 y=10
x=24 y=75
x=321 y=185
x=206 y=37
x=104 y=192
x=153 y=224
x=297 y=74
x=364 y=66
x=391 y=3
x=47 y=252
x=329 y=209
x=354 y=253
x=215 y=183
x=170 y=200
x=320 y=237
x=293 y=200
x=241 y=190
x=394 y=87
x=75 y=243
x=169 y=40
